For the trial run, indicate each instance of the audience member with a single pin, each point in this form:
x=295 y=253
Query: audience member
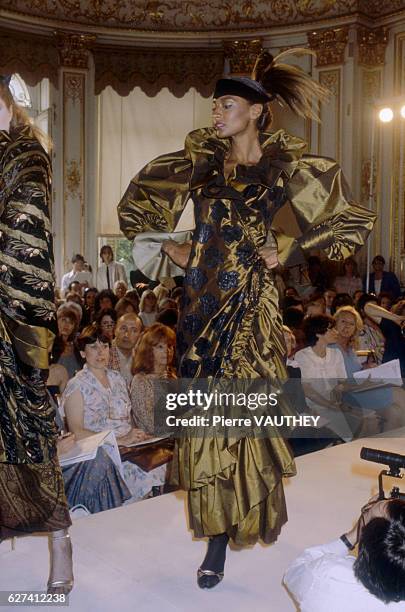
x=382 y=281
x=125 y=306
x=293 y=302
x=153 y=360
x=105 y=299
x=350 y=281
x=147 y=307
x=64 y=350
x=316 y=275
x=109 y=271
x=294 y=318
x=384 y=299
x=127 y=333
x=341 y=299
x=120 y=289
x=96 y=399
x=371 y=338
x=78 y=273
x=316 y=305
x=329 y=295
x=89 y=299
x=105 y=321
x=392 y=326
x=133 y=295
x=328 y=577
x=356 y=296
x=168 y=317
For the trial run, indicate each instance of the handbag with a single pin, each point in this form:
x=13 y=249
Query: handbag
x=149 y=456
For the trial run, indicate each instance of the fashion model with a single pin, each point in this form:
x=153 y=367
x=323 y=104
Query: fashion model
x=239 y=176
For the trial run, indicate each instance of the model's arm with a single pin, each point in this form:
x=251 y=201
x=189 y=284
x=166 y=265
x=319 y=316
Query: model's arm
x=156 y=197
x=325 y=213
x=376 y=313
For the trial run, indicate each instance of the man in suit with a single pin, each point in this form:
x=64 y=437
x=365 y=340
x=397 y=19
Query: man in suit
x=110 y=271
x=381 y=281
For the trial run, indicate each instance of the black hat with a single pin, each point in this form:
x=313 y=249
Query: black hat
x=243 y=87
x=6 y=79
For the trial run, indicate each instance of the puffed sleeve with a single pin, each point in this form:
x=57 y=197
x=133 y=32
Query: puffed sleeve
x=157 y=196
x=325 y=213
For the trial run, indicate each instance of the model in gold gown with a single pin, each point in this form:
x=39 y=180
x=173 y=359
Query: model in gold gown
x=32 y=496
x=230 y=324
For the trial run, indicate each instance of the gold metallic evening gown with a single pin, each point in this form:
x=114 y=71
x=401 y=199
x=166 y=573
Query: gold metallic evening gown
x=32 y=496
x=231 y=326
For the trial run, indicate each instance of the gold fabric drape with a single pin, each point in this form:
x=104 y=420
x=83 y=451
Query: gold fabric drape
x=231 y=326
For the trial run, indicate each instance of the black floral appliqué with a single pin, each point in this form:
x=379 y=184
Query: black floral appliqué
x=213 y=257
x=204 y=232
x=218 y=323
x=209 y=304
x=211 y=365
x=245 y=253
x=232 y=233
x=219 y=211
x=227 y=280
x=196 y=278
x=193 y=323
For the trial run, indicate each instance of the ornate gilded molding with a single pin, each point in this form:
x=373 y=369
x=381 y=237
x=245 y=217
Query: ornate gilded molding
x=372 y=44
x=151 y=70
x=73 y=178
x=331 y=80
x=329 y=45
x=242 y=55
x=17 y=55
x=371 y=84
x=194 y=15
x=74 y=49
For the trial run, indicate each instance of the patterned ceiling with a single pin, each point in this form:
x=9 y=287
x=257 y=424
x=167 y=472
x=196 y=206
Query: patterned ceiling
x=193 y=15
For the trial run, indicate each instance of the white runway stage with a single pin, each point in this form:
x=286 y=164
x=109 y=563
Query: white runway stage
x=141 y=557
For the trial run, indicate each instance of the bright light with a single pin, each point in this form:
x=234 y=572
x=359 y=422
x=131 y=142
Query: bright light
x=402 y=111
x=386 y=115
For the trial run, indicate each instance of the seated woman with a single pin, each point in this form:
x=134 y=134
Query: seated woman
x=105 y=322
x=64 y=351
x=322 y=368
x=371 y=338
x=96 y=399
x=153 y=359
x=387 y=401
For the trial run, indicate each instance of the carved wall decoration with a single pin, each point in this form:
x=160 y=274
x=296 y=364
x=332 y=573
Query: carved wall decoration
x=371 y=84
x=74 y=87
x=372 y=44
x=242 y=55
x=73 y=177
x=329 y=45
x=151 y=70
x=74 y=49
x=329 y=129
x=331 y=80
x=16 y=55
x=192 y=15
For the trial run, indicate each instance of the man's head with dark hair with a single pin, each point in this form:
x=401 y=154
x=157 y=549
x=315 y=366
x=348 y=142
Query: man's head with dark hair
x=341 y=299
x=290 y=301
x=316 y=326
x=77 y=257
x=380 y=564
x=106 y=253
x=78 y=262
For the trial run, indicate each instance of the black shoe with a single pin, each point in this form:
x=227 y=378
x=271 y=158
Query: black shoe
x=207 y=579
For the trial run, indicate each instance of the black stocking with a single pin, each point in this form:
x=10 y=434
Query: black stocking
x=214 y=561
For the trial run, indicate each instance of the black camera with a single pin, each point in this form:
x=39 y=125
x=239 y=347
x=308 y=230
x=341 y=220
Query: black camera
x=395 y=464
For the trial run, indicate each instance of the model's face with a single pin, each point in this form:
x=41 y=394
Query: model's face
x=96 y=355
x=346 y=325
x=127 y=333
x=232 y=115
x=6 y=114
x=65 y=326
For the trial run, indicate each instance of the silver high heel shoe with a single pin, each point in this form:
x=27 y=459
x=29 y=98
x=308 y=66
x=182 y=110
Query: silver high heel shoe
x=61 y=587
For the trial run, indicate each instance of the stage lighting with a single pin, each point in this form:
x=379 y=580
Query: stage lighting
x=386 y=114
x=402 y=111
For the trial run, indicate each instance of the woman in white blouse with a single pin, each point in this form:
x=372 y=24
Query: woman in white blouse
x=322 y=367
x=96 y=399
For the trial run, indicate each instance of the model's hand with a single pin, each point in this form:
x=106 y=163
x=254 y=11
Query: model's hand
x=179 y=253
x=270 y=257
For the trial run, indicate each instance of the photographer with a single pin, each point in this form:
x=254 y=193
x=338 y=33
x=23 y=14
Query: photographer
x=328 y=577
